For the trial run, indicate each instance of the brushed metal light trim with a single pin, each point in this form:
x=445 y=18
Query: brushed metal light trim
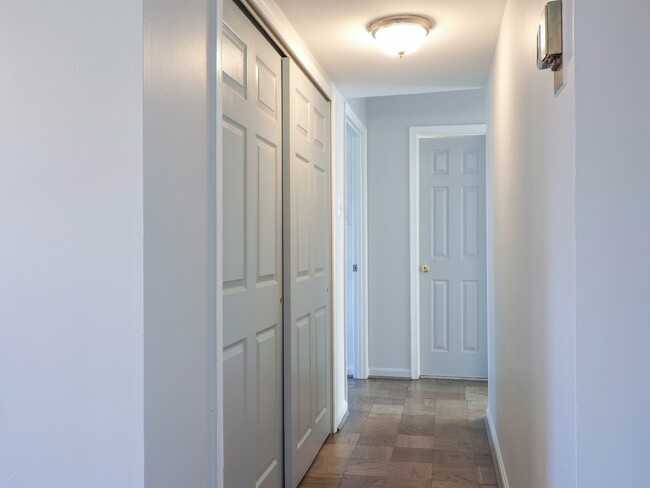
x=382 y=22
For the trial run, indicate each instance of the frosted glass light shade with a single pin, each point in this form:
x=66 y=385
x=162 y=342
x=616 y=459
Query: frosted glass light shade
x=400 y=35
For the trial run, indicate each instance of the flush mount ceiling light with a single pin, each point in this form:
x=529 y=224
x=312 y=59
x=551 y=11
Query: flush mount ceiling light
x=399 y=35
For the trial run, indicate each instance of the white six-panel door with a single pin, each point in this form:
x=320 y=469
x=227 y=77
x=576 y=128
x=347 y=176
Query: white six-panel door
x=453 y=294
x=252 y=261
x=307 y=271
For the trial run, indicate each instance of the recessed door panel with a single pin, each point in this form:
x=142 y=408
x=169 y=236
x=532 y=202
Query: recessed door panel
x=303 y=223
x=440 y=222
x=470 y=223
x=303 y=393
x=267 y=88
x=235 y=63
x=235 y=450
x=319 y=216
x=440 y=315
x=267 y=210
x=234 y=198
x=470 y=315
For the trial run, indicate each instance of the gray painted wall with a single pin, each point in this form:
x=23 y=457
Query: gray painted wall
x=179 y=203
x=388 y=121
x=531 y=206
x=612 y=243
x=71 y=412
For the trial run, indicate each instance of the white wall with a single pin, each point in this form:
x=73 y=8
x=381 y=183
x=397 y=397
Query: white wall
x=179 y=232
x=71 y=363
x=388 y=122
x=612 y=243
x=531 y=186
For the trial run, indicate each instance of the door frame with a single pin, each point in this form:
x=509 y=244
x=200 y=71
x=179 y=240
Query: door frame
x=361 y=333
x=415 y=135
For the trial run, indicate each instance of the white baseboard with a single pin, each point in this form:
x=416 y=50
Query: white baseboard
x=496 y=450
x=341 y=415
x=390 y=372
x=350 y=371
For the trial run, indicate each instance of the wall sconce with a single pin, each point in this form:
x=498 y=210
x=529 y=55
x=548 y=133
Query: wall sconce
x=399 y=35
x=549 y=42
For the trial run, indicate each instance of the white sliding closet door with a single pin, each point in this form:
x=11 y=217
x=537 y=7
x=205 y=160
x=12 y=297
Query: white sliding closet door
x=307 y=236
x=252 y=263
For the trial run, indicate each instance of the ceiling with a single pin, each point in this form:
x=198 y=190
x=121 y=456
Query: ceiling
x=456 y=54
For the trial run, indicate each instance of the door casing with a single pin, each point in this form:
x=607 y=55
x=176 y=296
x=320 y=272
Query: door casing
x=415 y=135
x=360 y=342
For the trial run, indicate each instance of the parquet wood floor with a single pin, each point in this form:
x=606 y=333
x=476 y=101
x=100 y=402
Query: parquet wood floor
x=408 y=434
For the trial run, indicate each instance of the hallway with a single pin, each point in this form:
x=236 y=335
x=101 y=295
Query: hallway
x=408 y=434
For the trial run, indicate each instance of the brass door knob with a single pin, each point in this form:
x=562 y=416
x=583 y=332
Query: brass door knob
x=425 y=268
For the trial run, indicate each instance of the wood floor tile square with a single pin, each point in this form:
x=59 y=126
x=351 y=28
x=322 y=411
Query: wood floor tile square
x=387 y=399
x=403 y=483
x=481 y=446
x=483 y=460
x=452 y=431
x=448 y=395
x=396 y=393
x=374 y=453
x=367 y=468
x=412 y=455
x=486 y=475
x=453 y=484
x=352 y=426
x=377 y=440
x=356 y=408
x=455 y=445
x=455 y=421
x=427 y=403
x=452 y=459
x=446 y=402
x=320 y=481
x=420 y=394
x=396 y=382
x=451 y=386
x=379 y=428
x=357 y=385
x=451 y=412
x=477 y=404
x=387 y=409
x=419 y=441
x=350 y=439
x=474 y=413
x=477 y=424
x=336 y=450
x=412 y=471
x=419 y=406
x=423 y=384
x=325 y=465
x=417 y=425
x=457 y=475
x=360 y=481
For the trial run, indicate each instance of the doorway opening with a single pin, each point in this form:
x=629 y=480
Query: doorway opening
x=356 y=254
